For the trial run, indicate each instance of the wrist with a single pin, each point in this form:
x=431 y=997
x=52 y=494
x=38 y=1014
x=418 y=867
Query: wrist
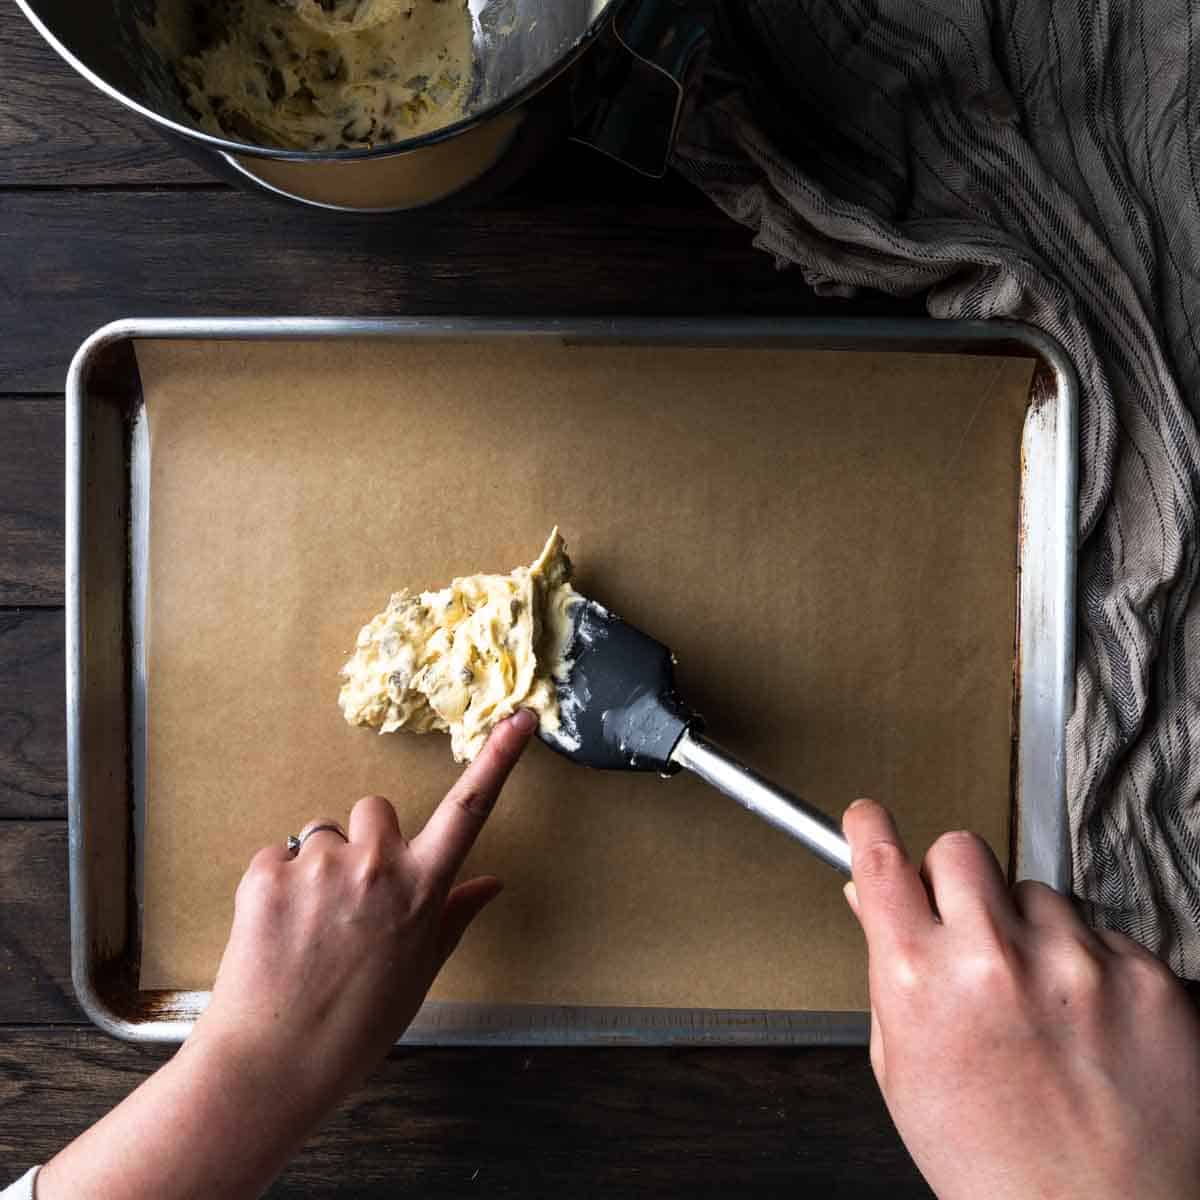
x=216 y=1120
x=260 y=1065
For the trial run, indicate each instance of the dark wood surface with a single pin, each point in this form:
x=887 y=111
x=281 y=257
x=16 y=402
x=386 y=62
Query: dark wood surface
x=98 y=220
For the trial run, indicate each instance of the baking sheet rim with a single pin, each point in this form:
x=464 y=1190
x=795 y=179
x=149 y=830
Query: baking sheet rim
x=1045 y=650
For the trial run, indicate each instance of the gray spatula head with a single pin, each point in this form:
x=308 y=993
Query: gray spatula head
x=619 y=711
x=617 y=703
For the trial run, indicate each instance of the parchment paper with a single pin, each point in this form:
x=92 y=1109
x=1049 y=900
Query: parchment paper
x=827 y=541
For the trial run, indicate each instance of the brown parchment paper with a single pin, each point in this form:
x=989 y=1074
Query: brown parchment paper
x=827 y=541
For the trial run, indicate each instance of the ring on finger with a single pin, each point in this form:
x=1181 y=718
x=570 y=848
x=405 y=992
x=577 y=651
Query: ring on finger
x=295 y=843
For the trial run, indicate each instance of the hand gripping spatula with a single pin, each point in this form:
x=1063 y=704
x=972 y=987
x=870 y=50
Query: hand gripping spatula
x=619 y=711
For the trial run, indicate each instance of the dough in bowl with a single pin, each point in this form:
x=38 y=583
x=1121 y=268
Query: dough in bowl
x=319 y=75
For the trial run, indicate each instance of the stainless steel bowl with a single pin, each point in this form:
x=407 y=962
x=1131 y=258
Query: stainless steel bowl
x=521 y=95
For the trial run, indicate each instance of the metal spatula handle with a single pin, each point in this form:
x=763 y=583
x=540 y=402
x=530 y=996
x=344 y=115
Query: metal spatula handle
x=806 y=824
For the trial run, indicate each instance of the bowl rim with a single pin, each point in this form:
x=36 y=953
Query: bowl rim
x=227 y=146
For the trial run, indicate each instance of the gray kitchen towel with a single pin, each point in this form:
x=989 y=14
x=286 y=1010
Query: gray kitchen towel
x=1039 y=160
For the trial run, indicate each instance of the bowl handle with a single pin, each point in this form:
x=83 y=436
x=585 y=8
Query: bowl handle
x=631 y=93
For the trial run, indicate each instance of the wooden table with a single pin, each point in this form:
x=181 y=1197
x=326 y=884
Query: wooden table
x=98 y=219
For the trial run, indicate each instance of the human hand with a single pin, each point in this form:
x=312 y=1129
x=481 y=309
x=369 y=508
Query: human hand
x=330 y=956
x=333 y=950
x=1021 y=1054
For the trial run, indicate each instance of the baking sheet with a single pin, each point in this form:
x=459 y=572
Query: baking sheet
x=827 y=540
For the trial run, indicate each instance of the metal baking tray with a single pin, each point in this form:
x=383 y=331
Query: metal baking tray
x=108 y=515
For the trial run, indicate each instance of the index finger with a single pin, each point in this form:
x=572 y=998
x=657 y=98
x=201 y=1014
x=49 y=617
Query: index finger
x=451 y=832
x=893 y=905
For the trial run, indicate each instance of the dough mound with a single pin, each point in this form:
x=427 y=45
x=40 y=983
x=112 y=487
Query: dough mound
x=464 y=658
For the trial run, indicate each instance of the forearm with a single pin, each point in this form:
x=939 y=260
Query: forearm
x=331 y=953
x=204 y=1125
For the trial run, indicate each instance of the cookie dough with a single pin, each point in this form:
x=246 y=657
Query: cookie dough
x=464 y=658
x=319 y=74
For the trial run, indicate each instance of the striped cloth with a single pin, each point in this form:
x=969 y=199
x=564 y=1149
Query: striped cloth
x=1034 y=159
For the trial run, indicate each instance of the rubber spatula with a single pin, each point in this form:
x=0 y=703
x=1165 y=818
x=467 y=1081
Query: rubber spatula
x=620 y=711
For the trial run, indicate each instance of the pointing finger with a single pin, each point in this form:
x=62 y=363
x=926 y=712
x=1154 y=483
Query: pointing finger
x=451 y=832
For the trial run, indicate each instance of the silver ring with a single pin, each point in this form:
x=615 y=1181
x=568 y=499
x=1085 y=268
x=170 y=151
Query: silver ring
x=295 y=844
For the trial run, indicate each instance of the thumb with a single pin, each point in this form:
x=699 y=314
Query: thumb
x=878 y=1063
x=464 y=903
